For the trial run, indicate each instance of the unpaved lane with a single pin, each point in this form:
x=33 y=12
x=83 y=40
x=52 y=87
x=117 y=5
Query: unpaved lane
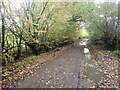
x=65 y=71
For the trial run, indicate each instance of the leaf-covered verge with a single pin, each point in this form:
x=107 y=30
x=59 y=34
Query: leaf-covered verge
x=19 y=71
x=108 y=64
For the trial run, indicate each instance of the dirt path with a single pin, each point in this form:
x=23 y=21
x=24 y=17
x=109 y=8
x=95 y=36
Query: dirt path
x=65 y=71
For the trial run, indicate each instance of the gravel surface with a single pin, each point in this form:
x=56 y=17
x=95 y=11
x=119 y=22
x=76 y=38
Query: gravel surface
x=65 y=71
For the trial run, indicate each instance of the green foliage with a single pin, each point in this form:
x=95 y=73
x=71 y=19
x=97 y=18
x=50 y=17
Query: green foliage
x=40 y=27
x=6 y=59
x=103 y=26
x=29 y=58
x=115 y=53
x=35 y=28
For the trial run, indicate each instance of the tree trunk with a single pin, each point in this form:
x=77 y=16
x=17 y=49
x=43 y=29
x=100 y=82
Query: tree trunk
x=34 y=48
x=3 y=31
x=19 y=48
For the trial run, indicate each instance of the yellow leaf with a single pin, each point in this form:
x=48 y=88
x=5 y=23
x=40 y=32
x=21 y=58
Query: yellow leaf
x=40 y=31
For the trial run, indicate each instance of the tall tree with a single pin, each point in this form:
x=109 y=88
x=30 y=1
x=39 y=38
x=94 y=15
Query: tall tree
x=3 y=25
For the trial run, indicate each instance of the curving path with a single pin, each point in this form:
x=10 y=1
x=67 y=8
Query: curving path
x=65 y=71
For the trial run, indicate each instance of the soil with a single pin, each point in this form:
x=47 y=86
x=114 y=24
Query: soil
x=65 y=71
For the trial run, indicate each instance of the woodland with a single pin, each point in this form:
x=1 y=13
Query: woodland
x=39 y=27
x=32 y=29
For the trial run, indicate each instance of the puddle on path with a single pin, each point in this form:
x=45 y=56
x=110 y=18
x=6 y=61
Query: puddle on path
x=90 y=69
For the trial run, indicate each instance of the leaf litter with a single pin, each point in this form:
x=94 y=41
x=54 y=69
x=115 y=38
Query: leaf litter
x=21 y=69
x=108 y=65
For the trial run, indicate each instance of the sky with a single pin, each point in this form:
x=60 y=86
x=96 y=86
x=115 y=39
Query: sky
x=97 y=1
x=16 y=3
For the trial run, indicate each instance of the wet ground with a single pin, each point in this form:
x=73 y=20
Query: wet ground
x=73 y=69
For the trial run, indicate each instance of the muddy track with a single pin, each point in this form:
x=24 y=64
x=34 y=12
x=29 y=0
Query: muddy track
x=65 y=71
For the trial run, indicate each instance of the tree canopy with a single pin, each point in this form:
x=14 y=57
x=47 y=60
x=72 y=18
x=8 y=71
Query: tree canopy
x=38 y=27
